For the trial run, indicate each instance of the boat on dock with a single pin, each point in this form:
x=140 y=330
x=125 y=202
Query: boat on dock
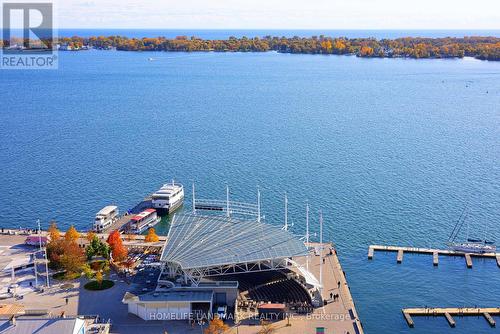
x=470 y=245
x=473 y=247
x=104 y=218
x=168 y=198
x=142 y=221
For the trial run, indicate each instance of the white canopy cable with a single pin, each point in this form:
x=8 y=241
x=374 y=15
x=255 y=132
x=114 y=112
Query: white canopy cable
x=258 y=204
x=307 y=235
x=321 y=251
x=228 y=210
x=309 y=277
x=285 y=227
x=194 y=201
x=227 y=207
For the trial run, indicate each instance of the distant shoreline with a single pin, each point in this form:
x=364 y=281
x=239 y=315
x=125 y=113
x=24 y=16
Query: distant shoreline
x=484 y=48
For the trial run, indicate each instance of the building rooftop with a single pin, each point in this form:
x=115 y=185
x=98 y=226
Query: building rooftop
x=204 y=241
x=41 y=326
x=193 y=296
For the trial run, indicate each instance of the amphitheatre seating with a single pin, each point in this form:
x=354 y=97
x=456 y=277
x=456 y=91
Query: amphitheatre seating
x=269 y=286
x=247 y=281
x=281 y=291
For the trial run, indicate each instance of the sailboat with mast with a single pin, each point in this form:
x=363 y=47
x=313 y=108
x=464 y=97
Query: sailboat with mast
x=470 y=245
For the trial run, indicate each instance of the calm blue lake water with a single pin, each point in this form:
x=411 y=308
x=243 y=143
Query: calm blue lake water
x=390 y=149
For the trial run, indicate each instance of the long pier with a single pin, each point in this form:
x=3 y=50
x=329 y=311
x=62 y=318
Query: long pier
x=448 y=313
x=431 y=251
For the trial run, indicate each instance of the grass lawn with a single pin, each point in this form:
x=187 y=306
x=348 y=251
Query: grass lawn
x=93 y=285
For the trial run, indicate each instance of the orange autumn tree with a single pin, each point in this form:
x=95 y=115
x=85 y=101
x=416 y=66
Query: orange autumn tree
x=91 y=235
x=54 y=233
x=216 y=326
x=118 y=251
x=99 y=278
x=71 y=234
x=55 y=246
x=73 y=258
x=64 y=253
x=151 y=236
x=366 y=51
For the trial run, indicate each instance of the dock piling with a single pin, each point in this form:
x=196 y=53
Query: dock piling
x=468 y=260
x=431 y=251
x=450 y=319
x=400 y=256
x=490 y=319
x=408 y=319
x=448 y=312
x=370 y=253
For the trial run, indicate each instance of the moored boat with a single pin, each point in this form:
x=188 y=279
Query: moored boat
x=142 y=221
x=477 y=246
x=104 y=218
x=480 y=247
x=168 y=198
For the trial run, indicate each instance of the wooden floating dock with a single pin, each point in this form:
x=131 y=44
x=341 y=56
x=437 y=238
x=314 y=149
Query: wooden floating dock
x=408 y=319
x=400 y=256
x=370 y=253
x=490 y=319
x=450 y=319
x=468 y=261
x=435 y=253
x=449 y=312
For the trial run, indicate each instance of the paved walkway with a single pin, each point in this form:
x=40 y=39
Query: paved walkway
x=335 y=317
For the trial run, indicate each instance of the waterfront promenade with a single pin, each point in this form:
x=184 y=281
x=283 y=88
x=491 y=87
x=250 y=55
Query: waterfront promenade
x=339 y=316
x=335 y=317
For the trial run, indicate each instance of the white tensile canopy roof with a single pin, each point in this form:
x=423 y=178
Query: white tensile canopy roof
x=207 y=241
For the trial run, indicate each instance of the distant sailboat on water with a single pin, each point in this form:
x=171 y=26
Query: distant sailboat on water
x=471 y=245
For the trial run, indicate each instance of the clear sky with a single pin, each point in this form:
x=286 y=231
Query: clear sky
x=280 y=14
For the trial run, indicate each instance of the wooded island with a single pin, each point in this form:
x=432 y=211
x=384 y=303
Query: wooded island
x=486 y=48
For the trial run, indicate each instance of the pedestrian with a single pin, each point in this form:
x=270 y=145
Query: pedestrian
x=338 y=284
x=331 y=295
x=323 y=261
x=67 y=300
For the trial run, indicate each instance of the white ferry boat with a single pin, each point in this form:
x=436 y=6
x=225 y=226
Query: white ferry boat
x=168 y=198
x=142 y=221
x=104 y=218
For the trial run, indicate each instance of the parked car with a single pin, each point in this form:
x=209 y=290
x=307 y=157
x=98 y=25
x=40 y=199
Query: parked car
x=222 y=312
